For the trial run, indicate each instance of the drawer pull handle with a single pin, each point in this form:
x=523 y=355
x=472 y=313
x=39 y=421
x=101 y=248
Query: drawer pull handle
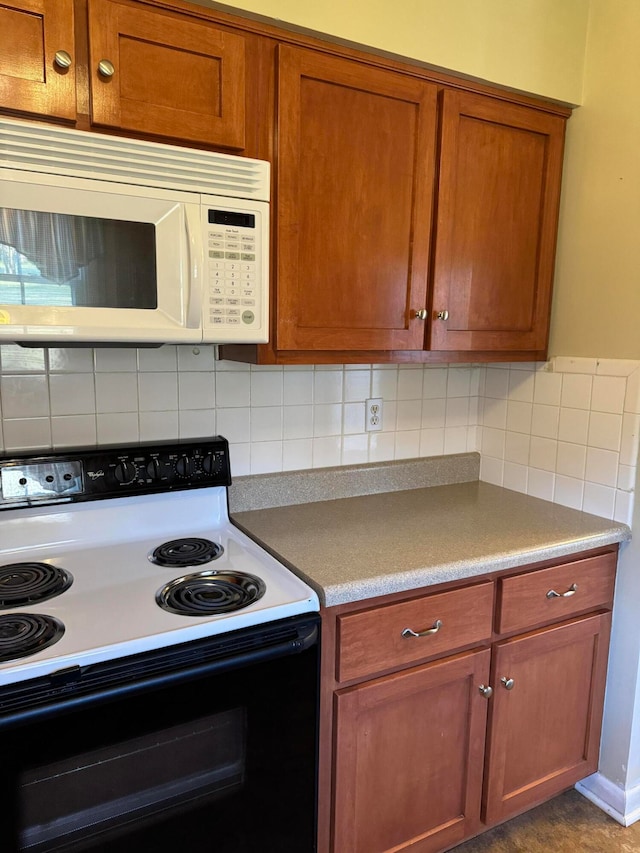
x=571 y=591
x=508 y=682
x=486 y=691
x=436 y=627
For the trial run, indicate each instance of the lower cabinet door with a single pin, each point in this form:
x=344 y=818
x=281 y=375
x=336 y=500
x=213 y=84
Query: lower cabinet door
x=409 y=758
x=546 y=714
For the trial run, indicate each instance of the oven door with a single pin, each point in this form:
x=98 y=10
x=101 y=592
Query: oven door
x=89 y=261
x=208 y=746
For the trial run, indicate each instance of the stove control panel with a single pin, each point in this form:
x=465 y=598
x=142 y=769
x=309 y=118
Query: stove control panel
x=88 y=474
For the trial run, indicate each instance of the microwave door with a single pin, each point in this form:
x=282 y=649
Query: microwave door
x=90 y=261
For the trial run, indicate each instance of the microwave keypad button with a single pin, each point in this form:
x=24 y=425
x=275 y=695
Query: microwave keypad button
x=216 y=274
x=248 y=291
x=248 y=238
x=233 y=301
x=233 y=321
x=248 y=317
x=216 y=265
x=216 y=290
x=248 y=276
x=216 y=300
x=216 y=235
x=247 y=301
x=232 y=265
x=214 y=253
x=216 y=312
x=232 y=256
x=246 y=256
x=216 y=244
x=218 y=321
x=233 y=312
x=232 y=244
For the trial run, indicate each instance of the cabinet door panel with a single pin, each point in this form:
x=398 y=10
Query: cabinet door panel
x=545 y=731
x=409 y=753
x=355 y=184
x=173 y=77
x=31 y=31
x=496 y=229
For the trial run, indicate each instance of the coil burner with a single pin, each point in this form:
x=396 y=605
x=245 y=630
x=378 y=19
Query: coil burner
x=23 y=634
x=22 y=584
x=209 y=593
x=186 y=552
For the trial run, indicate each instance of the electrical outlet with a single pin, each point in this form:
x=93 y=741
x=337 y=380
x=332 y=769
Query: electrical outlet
x=373 y=421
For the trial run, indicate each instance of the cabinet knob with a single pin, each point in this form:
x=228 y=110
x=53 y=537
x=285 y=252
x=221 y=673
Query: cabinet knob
x=486 y=691
x=62 y=59
x=509 y=683
x=436 y=627
x=571 y=591
x=422 y=314
x=106 y=68
x=442 y=315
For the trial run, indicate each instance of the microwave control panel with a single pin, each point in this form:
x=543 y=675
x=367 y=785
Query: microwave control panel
x=235 y=291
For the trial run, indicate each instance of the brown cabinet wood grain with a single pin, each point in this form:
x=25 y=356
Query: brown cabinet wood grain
x=498 y=197
x=403 y=740
x=545 y=729
x=556 y=593
x=356 y=165
x=409 y=756
x=374 y=640
x=172 y=76
x=31 y=81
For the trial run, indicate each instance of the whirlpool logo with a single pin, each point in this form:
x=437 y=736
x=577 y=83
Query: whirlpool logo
x=95 y=475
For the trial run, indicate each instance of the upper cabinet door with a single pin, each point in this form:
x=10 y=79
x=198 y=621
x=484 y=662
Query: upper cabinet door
x=37 y=57
x=166 y=75
x=498 y=198
x=355 y=186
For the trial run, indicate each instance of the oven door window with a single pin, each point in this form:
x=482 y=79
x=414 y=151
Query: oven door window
x=225 y=762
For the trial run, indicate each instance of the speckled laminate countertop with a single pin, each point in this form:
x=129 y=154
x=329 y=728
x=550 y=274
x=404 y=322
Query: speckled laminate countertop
x=373 y=544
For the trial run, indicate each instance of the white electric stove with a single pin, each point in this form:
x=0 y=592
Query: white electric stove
x=101 y=551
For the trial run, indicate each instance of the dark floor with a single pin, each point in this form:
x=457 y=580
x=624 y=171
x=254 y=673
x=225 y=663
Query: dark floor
x=567 y=824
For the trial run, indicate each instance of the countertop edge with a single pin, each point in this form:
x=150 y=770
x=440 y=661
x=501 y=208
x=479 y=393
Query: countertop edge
x=416 y=579
x=351 y=592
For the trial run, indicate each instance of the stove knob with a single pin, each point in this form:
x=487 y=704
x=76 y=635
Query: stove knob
x=212 y=464
x=125 y=472
x=184 y=466
x=154 y=469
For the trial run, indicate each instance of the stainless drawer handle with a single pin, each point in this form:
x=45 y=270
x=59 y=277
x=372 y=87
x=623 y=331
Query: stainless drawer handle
x=571 y=591
x=508 y=682
x=436 y=627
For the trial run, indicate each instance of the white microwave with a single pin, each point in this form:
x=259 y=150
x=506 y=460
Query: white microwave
x=112 y=240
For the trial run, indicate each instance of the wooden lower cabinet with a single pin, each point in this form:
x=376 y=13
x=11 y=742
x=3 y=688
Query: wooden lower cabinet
x=478 y=725
x=409 y=757
x=546 y=714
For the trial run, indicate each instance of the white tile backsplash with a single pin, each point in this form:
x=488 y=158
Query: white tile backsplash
x=578 y=441
x=567 y=430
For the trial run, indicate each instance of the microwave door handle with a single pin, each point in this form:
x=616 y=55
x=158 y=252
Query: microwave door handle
x=195 y=263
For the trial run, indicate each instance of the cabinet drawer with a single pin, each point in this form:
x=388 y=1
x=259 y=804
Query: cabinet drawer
x=373 y=640
x=529 y=599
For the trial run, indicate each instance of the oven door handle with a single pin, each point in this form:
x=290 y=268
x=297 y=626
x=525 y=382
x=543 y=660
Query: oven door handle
x=307 y=637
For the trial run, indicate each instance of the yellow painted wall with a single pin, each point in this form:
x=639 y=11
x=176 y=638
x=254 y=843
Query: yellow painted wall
x=531 y=45
x=596 y=309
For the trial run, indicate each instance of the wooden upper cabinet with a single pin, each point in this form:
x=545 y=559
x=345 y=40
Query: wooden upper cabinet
x=172 y=77
x=498 y=199
x=355 y=187
x=31 y=81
